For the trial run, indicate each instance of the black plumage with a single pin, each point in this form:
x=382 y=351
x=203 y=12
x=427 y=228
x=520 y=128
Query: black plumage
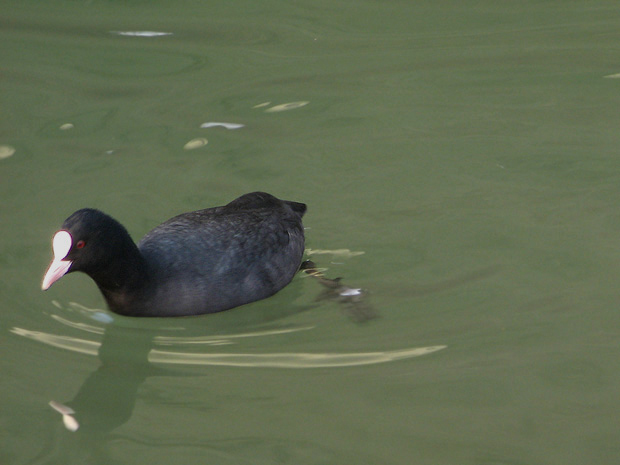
x=199 y=262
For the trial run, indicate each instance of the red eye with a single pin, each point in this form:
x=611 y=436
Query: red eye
x=80 y=244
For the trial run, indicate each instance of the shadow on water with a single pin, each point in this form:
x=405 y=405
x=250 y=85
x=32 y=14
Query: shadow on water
x=115 y=383
x=129 y=354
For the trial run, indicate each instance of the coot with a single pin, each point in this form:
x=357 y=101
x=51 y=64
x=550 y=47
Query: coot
x=199 y=262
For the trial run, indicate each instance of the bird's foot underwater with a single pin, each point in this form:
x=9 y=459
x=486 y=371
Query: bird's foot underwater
x=353 y=300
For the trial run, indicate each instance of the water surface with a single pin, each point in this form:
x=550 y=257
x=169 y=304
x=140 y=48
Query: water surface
x=468 y=150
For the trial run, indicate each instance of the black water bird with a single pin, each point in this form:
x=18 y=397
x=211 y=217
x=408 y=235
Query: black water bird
x=198 y=262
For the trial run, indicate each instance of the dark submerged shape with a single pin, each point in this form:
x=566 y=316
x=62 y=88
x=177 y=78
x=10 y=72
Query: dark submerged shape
x=199 y=262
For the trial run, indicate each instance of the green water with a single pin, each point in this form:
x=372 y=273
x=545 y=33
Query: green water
x=469 y=149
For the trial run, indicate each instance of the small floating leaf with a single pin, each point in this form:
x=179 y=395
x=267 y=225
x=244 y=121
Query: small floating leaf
x=61 y=408
x=196 y=143
x=286 y=106
x=224 y=125
x=70 y=423
x=66 y=126
x=261 y=105
x=6 y=151
x=613 y=76
x=345 y=253
x=141 y=33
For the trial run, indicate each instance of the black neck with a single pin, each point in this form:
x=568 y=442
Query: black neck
x=123 y=278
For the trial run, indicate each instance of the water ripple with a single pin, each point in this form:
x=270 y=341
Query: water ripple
x=290 y=360
x=273 y=360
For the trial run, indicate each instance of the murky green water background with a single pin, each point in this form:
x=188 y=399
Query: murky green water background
x=469 y=149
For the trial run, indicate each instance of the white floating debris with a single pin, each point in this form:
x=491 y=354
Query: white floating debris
x=102 y=317
x=70 y=423
x=141 y=33
x=6 y=151
x=286 y=106
x=613 y=76
x=350 y=292
x=61 y=408
x=261 y=105
x=66 y=126
x=345 y=253
x=196 y=143
x=214 y=124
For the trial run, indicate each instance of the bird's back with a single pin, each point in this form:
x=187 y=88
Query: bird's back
x=222 y=257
